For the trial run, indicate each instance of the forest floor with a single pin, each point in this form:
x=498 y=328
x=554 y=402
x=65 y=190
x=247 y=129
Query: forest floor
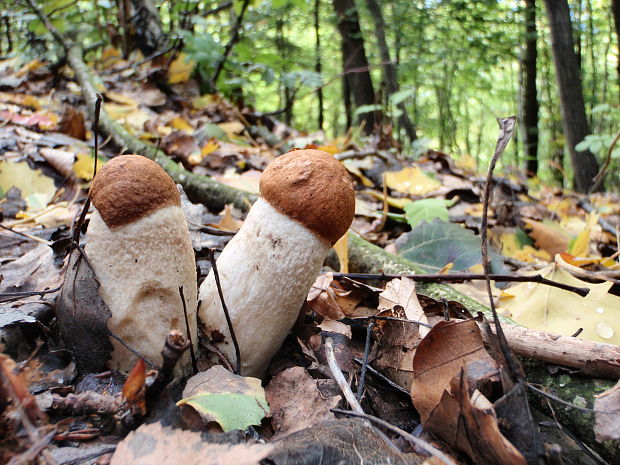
x=456 y=402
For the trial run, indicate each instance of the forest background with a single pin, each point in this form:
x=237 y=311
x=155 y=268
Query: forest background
x=437 y=73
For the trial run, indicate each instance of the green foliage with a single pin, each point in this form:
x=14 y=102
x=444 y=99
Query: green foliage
x=601 y=142
x=426 y=210
x=436 y=244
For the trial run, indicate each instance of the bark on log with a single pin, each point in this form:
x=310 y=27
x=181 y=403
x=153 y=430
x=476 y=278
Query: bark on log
x=364 y=257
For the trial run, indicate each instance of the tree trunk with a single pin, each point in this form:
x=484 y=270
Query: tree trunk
x=142 y=26
x=574 y=121
x=317 y=64
x=354 y=62
x=389 y=69
x=615 y=10
x=530 y=97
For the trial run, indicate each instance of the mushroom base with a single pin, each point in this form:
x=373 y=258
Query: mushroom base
x=265 y=271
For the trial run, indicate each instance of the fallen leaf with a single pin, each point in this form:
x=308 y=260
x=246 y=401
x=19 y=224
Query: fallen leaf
x=548 y=236
x=438 y=360
x=436 y=244
x=296 y=402
x=330 y=300
x=180 y=69
x=341 y=247
x=558 y=311
x=27 y=180
x=84 y=166
x=154 y=443
x=228 y=222
x=411 y=180
x=426 y=210
x=232 y=401
x=134 y=388
x=607 y=416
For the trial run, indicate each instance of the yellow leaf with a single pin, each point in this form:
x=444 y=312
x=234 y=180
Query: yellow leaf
x=199 y=103
x=120 y=98
x=331 y=148
x=558 y=311
x=353 y=169
x=180 y=69
x=211 y=146
x=392 y=201
x=180 y=123
x=580 y=247
x=84 y=166
x=232 y=128
x=411 y=180
x=31 y=66
x=341 y=247
x=30 y=182
x=466 y=163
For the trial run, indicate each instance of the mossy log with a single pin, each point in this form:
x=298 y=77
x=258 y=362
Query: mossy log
x=364 y=257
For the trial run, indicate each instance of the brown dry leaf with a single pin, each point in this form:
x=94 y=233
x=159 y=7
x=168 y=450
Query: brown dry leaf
x=228 y=221
x=438 y=360
x=470 y=424
x=397 y=343
x=247 y=181
x=402 y=292
x=296 y=402
x=159 y=444
x=607 y=425
x=548 y=236
x=330 y=300
x=61 y=160
x=73 y=123
x=180 y=144
x=333 y=326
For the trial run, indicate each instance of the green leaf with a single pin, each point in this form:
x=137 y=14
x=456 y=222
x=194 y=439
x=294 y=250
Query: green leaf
x=434 y=245
x=401 y=96
x=233 y=401
x=426 y=210
x=366 y=109
x=582 y=146
x=231 y=411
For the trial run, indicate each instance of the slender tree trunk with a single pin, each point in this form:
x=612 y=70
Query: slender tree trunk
x=530 y=97
x=354 y=61
x=142 y=26
x=389 y=69
x=317 y=64
x=615 y=10
x=574 y=121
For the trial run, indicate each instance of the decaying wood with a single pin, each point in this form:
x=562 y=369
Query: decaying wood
x=593 y=359
x=364 y=257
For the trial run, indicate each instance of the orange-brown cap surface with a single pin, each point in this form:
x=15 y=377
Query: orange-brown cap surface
x=313 y=188
x=129 y=187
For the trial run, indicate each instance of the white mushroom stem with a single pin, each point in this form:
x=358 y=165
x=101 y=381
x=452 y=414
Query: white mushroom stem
x=265 y=271
x=140 y=267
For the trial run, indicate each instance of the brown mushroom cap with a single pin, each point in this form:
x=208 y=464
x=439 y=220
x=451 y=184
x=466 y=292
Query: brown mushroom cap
x=129 y=187
x=313 y=188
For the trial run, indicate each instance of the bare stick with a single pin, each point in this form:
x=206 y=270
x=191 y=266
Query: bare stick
x=360 y=388
x=339 y=377
x=189 y=333
x=384 y=378
x=458 y=277
x=506 y=126
x=231 y=42
x=421 y=443
x=225 y=309
x=27 y=236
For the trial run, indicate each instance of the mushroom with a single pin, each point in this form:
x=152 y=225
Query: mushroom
x=138 y=245
x=307 y=203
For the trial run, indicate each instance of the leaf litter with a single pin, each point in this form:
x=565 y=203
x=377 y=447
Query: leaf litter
x=426 y=210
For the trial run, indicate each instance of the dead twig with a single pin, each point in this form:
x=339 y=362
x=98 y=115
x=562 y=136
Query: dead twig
x=173 y=350
x=384 y=378
x=189 y=333
x=225 y=309
x=339 y=377
x=360 y=387
x=459 y=277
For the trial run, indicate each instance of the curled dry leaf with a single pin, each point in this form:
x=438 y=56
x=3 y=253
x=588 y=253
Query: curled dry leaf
x=607 y=418
x=439 y=358
x=330 y=300
x=445 y=393
x=159 y=444
x=83 y=315
x=296 y=402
